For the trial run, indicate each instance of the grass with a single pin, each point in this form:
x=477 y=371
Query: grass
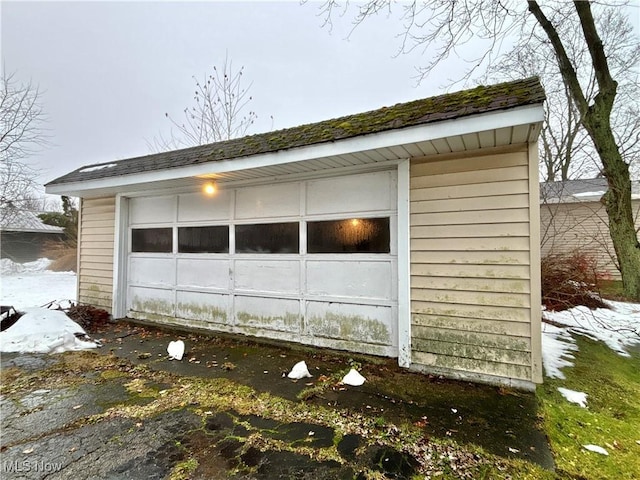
x=612 y=289
x=612 y=419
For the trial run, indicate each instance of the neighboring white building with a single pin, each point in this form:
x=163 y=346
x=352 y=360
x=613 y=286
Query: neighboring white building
x=411 y=231
x=573 y=218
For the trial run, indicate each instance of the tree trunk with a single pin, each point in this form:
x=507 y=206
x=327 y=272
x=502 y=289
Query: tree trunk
x=617 y=202
x=596 y=119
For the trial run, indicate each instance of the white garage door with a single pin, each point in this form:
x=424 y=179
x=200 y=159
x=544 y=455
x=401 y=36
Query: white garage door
x=312 y=261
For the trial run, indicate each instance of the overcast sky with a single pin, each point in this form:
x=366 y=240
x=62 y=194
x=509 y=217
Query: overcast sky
x=109 y=71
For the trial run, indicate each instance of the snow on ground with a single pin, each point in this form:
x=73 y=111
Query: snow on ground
x=574 y=397
x=41 y=330
x=618 y=327
x=29 y=285
x=32 y=285
x=557 y=345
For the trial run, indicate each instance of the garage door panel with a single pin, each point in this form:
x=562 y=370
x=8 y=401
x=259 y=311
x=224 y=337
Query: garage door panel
x=268 y=201
x=268 y=275
x=155 y=301
x=152 y=210
x=359 y=279
x=358 y=323
x=203 y=272
x=195 y=207
x=337 y=296
x=152 y=271
x=207 y=307
x=355 y=193
x=267 y=313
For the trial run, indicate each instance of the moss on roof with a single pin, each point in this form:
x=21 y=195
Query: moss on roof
x=481 y=99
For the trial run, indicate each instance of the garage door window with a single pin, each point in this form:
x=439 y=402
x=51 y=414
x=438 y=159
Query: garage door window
x=356 y=235
x=213 y=239
x=268 y=238
x=152 y=240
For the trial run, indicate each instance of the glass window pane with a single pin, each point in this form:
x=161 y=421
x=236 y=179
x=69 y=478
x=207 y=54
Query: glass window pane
x=268 y=238
x=203 y=239
x=152 y=240
x=356 y=235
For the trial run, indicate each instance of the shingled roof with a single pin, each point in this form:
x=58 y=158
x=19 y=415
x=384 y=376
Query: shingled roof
x=482 y=99
x=580 y=190
x=27 y=221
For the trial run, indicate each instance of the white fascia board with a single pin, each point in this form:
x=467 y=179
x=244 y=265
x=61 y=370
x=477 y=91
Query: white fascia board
x=446 y=128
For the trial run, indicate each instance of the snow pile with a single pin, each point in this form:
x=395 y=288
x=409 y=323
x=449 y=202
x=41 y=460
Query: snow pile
x=299 y=371
x=41 y=330
x=574 y=397
x=618 y=327
x=353 y=378
x=9 y=267
x=175 y=349
x=596 y=449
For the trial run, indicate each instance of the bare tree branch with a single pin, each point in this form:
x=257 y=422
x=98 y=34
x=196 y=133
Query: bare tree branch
x=589 y=75
x=218 y=112
x=22 y=134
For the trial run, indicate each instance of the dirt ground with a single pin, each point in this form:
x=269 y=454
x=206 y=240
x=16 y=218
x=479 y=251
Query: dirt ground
x=227 y=409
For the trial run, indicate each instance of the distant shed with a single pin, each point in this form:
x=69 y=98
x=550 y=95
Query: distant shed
x=410 y=231
x=23 y=236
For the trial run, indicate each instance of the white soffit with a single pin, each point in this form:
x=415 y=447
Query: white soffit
x=505 y=127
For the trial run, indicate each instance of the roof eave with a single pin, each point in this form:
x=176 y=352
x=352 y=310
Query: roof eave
x=522 y=115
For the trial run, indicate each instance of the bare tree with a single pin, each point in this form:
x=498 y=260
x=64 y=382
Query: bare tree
x=22 y=134
x=440 y=27
x=220 y=111
x=566 y=150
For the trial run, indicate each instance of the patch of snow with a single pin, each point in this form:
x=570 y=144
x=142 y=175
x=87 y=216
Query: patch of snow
x=41 y=330
x=299 y=371
x=597 y=194
x=37 y=289
x=596 y=449
x=353 y=378
x=574 y=397
x=98 y=167
x=9 y=267
x=175 y=349
x=618 y=327
x=557 y=345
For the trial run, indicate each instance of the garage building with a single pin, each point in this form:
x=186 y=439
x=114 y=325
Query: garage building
x=411 y=231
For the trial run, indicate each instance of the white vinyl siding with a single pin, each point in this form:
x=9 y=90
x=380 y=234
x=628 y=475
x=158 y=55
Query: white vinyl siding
x=95 y=250
x=470 y=265
x=583 y=226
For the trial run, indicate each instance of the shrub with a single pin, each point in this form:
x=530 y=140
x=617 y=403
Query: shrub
x=570 y=279
x=88 y=317
x=63 y=256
